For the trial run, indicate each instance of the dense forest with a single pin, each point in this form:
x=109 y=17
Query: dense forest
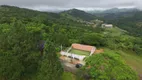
x=29 y=41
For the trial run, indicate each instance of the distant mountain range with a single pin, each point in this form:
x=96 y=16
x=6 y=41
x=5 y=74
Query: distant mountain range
x=113 y=10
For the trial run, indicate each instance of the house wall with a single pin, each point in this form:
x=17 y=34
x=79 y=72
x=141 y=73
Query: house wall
x=92 y=51
x=80 y=57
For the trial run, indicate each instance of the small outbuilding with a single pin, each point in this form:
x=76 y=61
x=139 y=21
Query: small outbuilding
x=107 y=26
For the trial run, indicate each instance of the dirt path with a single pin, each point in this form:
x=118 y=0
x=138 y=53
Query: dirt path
x=140 y=76
x=68 y=66
x=99 y=51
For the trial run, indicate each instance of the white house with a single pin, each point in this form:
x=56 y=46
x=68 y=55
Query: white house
x=88 y=48
x=107 y=26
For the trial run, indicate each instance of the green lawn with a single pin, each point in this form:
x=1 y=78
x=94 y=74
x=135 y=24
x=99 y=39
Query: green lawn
x=79 y=52
x=68 y=76
x=115 y=31
x=133 y=60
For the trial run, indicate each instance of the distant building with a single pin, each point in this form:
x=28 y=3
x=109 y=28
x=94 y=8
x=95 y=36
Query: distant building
x=85 y=22
x=107 y=26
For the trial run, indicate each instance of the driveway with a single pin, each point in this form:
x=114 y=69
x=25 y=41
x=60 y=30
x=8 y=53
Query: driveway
x=68 y=66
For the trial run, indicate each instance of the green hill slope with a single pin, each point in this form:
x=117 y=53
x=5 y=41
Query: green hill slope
x=78 y=14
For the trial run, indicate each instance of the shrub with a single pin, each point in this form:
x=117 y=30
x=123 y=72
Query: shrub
x=109 y=66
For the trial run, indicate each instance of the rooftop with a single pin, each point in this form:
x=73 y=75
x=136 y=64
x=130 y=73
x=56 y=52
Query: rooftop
x=82 y=47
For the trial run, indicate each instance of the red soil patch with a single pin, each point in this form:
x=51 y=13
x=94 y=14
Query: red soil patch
x=62 y=57
x=99 y=51
x=140 y=77
x=89 y=67
x=75 y=61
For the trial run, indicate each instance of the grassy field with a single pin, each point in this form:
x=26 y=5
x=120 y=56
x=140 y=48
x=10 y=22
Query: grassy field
x=68 y=76
x=79 y=52
x=132 y=59
x=115 y=31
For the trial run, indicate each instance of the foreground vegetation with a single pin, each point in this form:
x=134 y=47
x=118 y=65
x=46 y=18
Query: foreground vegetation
x=109 y=66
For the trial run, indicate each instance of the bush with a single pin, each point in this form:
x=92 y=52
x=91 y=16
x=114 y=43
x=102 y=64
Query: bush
x=109 y=66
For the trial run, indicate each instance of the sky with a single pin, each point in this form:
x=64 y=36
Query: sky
x=53 y=5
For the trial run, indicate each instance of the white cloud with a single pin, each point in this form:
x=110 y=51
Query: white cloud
x=67 y=4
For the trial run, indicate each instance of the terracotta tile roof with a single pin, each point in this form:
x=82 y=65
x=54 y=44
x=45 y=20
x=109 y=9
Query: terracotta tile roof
x=82 y=47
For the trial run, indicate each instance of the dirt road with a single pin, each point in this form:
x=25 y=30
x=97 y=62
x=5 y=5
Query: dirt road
x=68 y=66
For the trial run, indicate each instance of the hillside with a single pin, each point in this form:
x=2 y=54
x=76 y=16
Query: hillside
x=130 y=21
x=78 y=14
x=9 y=13
x=31 y=40
x=127 y=19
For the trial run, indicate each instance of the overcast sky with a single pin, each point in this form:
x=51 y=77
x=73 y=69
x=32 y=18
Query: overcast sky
x=68 y=4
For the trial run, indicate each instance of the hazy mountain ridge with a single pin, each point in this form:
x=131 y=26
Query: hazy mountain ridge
x=114 y=10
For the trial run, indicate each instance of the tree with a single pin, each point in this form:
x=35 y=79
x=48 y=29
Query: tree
x=50 y=68
x=93 y=39
x=60 y=40
x=10 y=67
x=138 y=45
x=19 y=52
